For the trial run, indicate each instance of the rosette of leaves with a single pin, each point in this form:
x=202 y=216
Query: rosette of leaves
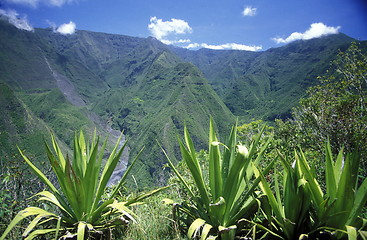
x=82 y=209
x=309 y=209
x=230 y=195
x=287 y=204
x=338 y=208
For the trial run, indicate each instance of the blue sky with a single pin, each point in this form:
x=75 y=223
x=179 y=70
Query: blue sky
x=219 y=24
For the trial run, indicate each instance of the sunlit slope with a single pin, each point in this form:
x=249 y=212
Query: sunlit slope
x=135 y=85
x=150 y=90
x=266 y=84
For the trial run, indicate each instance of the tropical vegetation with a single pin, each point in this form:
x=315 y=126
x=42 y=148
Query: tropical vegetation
x=303 y=209
x=229 y=195
x=148 y=89
x=81 y=208
x=300 y=177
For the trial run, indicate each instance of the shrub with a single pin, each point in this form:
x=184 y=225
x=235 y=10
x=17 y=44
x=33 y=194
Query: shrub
x=230 y=196
x=80 y=208
x=305 y=210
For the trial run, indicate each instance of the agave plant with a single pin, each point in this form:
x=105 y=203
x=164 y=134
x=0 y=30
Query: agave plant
x=305 y=211
x=288 y=210
x=339 y=208
x=81 y=207
x=229 y=197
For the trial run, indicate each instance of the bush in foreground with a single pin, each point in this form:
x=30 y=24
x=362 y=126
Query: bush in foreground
x=81 y=208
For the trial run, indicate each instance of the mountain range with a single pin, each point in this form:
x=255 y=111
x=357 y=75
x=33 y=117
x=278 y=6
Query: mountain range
x=143 y=88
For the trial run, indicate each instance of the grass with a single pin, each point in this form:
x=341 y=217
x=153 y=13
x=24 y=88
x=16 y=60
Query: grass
x=155 y=222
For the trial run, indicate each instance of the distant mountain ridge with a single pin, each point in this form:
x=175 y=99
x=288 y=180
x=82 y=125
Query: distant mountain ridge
x=150 y=90
x=266 y=84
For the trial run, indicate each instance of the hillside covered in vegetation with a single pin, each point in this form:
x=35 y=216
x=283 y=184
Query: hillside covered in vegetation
x=149 y=90
x=292 y=164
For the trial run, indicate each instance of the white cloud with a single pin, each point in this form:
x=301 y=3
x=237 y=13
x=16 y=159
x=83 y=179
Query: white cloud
x=18 y=22
x=161 y=29
x=35 y=3
x=193 y=46
x=66 y=28
x=171 y=42
x=249 y=11
x=227 y=46
x=183 y=41
x=316 y=30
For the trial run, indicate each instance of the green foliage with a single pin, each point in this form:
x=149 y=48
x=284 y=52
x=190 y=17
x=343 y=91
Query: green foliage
x=155 y=221
x=266 y=85
x=336 y=108
x=157 y=109
x=341 y=204
x=17 y=184
x=182 y=168
x=62 y=117
x=83 y=207
x=17 y=124
x=304 y=209
x=288 y=211
x=247 y=131
x=217 y=209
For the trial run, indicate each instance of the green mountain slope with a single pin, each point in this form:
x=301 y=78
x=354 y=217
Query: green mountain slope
x=222 y=68
x=266 y=84
x=140 y=87
x=148 y=90
x=18 y=126
x=22 y=62
x=131 y=84
x=157 y=108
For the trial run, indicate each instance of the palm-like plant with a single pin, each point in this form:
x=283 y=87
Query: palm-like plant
x=82 y=205
x=230 y=194
x=305 y=210
x=339 y=208
x=288 y=210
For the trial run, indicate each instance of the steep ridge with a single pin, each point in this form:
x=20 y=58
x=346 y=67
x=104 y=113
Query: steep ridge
x=148 y=90
x=221 y=68
x=135 y=85
x=266 y=84
x=50 y=95
x=141 y=80
x=22 y=63
x=67 y=88
x=18 y=127
x=153 y=105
